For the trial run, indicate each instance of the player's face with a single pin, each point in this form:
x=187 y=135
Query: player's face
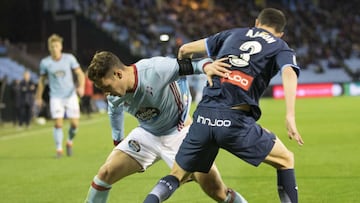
x=55 y=49
x=112 y=84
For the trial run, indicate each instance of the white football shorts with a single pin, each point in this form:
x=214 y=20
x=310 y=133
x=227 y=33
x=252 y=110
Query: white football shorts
x=147 y=148
x=65 y=107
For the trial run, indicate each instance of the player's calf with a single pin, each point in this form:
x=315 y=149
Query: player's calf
x=234 y=197
x=98 y=191
x=163 y=189
x=287 y=187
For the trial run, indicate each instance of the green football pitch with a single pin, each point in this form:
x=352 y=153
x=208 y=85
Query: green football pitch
x=327 y=166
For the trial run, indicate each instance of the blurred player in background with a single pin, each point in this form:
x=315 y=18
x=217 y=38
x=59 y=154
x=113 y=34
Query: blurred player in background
x=227 y=114
x=156 y=92
x=27 y=92
x=86 y=100
x=59 y=68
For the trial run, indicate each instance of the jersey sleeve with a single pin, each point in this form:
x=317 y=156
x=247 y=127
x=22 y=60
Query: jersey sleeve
x=161 y=69
x=73 y=62
x=116 y=116
x=199 y=64
x=214 y=42
x=166 y=70
x=287 y=58
x=42 y=68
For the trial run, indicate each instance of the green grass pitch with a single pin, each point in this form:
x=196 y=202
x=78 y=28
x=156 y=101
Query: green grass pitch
x=327 y=166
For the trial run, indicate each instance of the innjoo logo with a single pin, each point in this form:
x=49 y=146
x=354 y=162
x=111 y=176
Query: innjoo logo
x=216 y=122
x=239 y=78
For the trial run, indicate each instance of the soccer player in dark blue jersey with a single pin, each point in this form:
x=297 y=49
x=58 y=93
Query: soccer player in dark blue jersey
x=227 y=114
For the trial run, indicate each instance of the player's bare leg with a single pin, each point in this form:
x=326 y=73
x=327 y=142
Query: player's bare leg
x=211 y=183
x=58 y=136
x=117 y=166
x=283 y=160
x=71 y=134
x=168 y=184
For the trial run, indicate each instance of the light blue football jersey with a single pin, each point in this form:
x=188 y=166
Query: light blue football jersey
x=161 y=99
x=59 y=74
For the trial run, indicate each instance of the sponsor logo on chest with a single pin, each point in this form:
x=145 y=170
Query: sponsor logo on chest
x=147 y=113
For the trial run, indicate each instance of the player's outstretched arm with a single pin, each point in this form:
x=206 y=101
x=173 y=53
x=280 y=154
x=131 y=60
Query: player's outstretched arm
x=289 y=79
x=188 y=49
x=116 y=116
x=81 y=79
x=39 y=91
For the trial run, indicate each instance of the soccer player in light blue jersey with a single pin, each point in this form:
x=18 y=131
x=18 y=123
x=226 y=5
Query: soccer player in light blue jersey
x=156 y=92
x=58 y=69
x=227 y=114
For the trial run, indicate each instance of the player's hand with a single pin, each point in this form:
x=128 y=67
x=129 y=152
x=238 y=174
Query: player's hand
x=218 y=68
x=292 y=130
x=38 y=103
x=80 y=91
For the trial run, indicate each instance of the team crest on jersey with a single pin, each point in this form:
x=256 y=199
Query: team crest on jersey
x=134 y=145
x=59 y=74
x=149 y=90
x=147 y=113
x=239 y=79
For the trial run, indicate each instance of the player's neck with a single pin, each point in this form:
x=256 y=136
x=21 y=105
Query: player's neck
x=270 y=29
x=56 y=57
x=131 y=78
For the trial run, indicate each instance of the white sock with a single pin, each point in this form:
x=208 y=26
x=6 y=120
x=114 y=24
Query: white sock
x=98 y=192
x=58 y=137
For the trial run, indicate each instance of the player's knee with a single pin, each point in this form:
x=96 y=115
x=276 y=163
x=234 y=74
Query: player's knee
x=106 y=173
x=288 y=160
x=74 y=123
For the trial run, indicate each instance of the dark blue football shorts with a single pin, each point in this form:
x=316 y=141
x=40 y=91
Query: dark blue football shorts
x=233 y=130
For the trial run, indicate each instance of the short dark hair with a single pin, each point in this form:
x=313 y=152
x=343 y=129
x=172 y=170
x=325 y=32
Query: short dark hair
x=273 y=18
x=101 y=63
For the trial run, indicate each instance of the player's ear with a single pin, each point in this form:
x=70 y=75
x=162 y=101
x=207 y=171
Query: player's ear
x=118 y=74
x=256 y=23
x=279 y=34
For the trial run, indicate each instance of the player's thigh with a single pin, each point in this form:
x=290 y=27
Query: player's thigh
x=117 y=166
x=280 y=157
x=211 y=179
x=72 y=107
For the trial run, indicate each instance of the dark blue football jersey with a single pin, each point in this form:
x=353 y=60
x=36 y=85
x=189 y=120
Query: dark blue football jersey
x=256 y=56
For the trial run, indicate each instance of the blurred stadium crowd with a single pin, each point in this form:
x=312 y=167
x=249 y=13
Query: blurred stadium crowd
x=317 y=29
x=324 y=33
